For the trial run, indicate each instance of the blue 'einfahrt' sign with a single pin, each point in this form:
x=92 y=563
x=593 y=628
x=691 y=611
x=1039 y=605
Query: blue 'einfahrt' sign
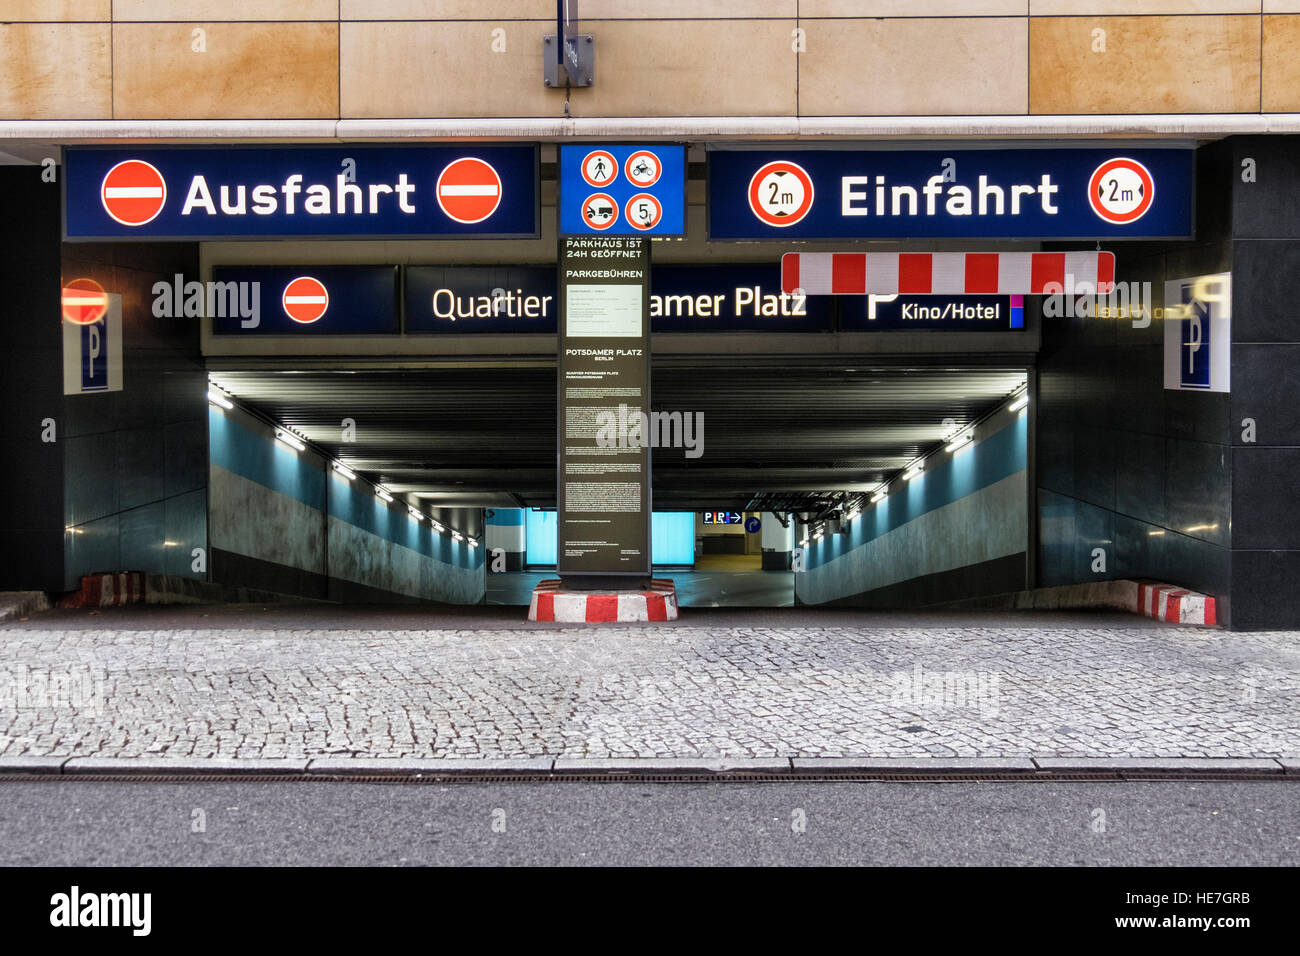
x=1096 y=193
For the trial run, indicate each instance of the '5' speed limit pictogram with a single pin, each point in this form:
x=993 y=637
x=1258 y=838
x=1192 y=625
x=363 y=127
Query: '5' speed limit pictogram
x=643 y=211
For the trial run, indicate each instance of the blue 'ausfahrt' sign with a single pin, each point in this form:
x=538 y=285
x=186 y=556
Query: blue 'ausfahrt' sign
x=301 y=192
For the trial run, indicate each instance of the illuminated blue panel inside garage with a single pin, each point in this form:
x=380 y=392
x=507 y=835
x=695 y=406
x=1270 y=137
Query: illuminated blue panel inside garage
x=672 y=537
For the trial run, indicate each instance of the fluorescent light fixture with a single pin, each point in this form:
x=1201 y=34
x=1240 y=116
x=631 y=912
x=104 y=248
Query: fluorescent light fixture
x=380 y=493
x=915 y=471
x=818 y=535
x=879 y=496
x=458 y=536
x=414 y=513
x=289 y=439
x=1020 y=402
x=473 y=542
x=216 y=398
x=804 y=542
x=344 y=470
x=851 y=515
x=960 y=442
x=437 y=527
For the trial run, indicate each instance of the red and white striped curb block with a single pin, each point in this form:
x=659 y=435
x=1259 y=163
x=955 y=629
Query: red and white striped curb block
x=108 y=590
x=1165 y=602
x=552 y=603
x=946 y=273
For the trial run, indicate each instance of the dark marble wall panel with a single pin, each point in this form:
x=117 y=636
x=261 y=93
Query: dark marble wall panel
x=1266 y=385
x=140 y=454
x=1123 y=464
x=31 y=382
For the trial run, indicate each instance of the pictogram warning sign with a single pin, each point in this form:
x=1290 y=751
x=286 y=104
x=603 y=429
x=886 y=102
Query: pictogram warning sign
x=643 y=211
x=133 y=192
x=469 y=190
x=599 y=168
x=1121 y=190
x=643 y=168
x=305 y=299
x=84 y=301
x=781 y=193
x=600 y=211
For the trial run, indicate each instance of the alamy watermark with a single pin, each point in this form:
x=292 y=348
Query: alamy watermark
x=633 y=428
x=179 y=299
x=1080 y=299
x=71 y=688
x=920 y=689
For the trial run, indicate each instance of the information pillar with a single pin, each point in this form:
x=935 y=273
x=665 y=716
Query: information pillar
x=603 y=478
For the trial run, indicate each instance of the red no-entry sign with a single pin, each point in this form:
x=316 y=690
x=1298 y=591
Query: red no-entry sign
x=133 y=192
x=469 y=190
x=305 y=299
x=84 y=301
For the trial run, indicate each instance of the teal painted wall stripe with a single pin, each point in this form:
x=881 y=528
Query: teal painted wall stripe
x=358 y=506
x=263 y=460
x=272 y=465
x=998 y=456
x=505 y=517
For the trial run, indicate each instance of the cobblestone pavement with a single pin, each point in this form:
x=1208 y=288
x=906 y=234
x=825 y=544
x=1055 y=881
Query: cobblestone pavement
x=645 y=692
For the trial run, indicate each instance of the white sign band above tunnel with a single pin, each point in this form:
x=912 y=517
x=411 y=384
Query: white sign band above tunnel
x=946 y=273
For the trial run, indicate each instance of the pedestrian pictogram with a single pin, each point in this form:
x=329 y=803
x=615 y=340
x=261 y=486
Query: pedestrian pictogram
x=469 y=190
x=781 y=193
x=1121 y=190
x=643 y=168
x=599 y=168
x=643 y=211
x=133 y=192
x=600 y=210
x=305 y=299
x=84 y=301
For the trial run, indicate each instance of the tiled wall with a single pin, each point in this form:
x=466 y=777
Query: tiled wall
x=139 y=59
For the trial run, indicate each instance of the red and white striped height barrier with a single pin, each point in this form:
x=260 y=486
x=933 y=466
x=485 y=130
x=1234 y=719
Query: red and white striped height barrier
x=1176 y=605
x=552 y=603
x=946 y=273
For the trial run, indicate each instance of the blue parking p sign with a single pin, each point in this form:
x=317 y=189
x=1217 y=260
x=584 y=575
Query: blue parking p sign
x=1197 y=317
x=92 y=353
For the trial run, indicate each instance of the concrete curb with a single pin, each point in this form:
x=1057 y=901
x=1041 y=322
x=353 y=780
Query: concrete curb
x=422 y=765
x=184 y=765
x=16 y=604
x=32 y=764
x=706 y=765
x=1162 y=764
x=702 y=766
x=915 y=764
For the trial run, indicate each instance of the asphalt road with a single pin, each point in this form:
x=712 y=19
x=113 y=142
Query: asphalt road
x=71 y=823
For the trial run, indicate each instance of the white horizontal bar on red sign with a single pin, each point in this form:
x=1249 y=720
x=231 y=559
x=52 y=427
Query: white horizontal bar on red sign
x=947 y=273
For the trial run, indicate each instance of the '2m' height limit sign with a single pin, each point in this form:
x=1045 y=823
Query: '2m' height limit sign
x=603 y=492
